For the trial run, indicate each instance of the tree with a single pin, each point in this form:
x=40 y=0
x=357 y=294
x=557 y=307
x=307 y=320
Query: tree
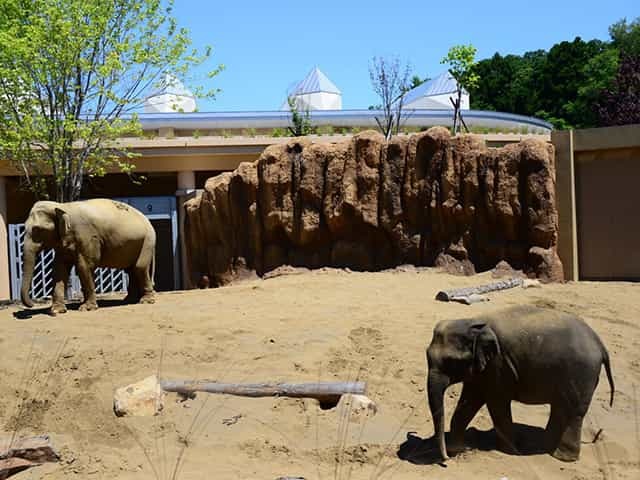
x=461 y=61
x=390 y=80
x=625 y=36
x=300 y=118
x=620 y=104
x=72 y=74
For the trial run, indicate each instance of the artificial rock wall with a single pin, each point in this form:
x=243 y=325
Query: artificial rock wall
x=363 y=203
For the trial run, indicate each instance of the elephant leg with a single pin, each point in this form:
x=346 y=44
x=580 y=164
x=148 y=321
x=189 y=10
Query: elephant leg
x=133 y=290
x=500 y=411
x=564 y=429
x=471 y=400
x=61 y=273
x=85 y=272
x=142 y=272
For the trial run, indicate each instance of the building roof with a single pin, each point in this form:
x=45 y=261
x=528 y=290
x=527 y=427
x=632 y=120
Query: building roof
x=440 y=85
x=315 y=82
x=170 y=85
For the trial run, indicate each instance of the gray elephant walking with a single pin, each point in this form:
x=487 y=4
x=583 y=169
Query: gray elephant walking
x=90 y=234
x=532 y=355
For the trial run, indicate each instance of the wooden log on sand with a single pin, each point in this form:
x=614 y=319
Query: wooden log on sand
x=466 y=295
x=327 y=393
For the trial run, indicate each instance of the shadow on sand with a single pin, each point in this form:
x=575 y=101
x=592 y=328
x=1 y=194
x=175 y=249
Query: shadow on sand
x=424 y=451
x=27 y=313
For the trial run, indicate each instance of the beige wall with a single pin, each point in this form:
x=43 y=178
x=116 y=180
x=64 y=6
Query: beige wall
x=598 y=190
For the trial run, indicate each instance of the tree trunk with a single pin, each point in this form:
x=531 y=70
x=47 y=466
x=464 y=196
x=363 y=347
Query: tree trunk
x=437 y=383
x=450 y=295
x=325 y=392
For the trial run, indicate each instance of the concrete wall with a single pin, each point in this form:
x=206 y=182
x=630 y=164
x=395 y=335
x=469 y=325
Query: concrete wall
x=598 y=188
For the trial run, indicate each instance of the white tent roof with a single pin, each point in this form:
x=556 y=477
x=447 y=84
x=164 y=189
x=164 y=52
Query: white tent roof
x=435 y=93
x=170 y=96
x=315 y=92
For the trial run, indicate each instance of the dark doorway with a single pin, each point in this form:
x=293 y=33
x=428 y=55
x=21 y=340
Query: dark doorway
x=164 y=278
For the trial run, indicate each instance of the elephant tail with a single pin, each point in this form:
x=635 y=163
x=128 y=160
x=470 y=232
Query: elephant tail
x=153 y=269
x=607 y=367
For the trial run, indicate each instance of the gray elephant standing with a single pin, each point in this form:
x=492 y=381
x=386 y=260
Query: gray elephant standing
x=532 y=355
x=90 y=234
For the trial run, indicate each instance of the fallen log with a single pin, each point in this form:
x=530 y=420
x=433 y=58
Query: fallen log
x=146 y=397
x=460 y=294
x=327 y=393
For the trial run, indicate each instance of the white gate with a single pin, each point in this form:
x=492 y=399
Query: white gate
x=107 y=280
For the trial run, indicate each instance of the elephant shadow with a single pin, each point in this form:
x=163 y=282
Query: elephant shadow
x=27 y=313
x=424 y=451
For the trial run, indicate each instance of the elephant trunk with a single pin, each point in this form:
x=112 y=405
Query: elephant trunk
x=437 y=383
x=30 y=252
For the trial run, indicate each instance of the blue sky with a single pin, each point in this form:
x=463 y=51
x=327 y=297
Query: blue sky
x=268 y=45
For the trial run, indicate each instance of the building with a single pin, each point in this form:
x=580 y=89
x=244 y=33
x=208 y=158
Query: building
x=436 y=94
x=315 y=92
x=180 y=151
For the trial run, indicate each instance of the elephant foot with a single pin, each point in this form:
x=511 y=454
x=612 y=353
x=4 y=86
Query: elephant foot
x=57 y=308
x=88 y=306
x=455 y=449
x=565 y=455
x=148 y=298
x=507 y=446
x=129 y=299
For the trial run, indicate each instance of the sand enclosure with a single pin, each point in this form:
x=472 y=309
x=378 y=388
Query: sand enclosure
x=323 y=325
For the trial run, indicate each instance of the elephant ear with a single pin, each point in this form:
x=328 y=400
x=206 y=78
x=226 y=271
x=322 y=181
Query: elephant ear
x=485 y=346
x=63 y=223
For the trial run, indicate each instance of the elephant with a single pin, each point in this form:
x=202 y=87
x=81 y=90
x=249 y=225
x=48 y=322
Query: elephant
x=528 y=354
x=89 y=234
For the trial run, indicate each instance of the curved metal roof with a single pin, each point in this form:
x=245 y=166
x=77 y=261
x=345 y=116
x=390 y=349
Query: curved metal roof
x=359 y=118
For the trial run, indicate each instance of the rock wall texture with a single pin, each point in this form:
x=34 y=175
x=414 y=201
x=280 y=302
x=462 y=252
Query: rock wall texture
x=425 y=199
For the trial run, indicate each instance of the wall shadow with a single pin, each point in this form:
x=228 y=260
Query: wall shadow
x=424 y=451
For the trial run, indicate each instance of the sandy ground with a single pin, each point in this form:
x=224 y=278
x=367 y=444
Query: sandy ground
x=327 y=325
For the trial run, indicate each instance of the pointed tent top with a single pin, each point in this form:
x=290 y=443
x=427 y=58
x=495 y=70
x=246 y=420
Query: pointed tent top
x=170 y=85
x=440 y=85
x=315 y=82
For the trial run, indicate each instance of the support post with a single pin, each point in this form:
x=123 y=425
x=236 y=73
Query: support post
x=566 y=198
x=186 y=190
x=5 y=290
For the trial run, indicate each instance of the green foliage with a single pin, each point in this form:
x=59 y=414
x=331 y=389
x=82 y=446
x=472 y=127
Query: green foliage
x=300 y=119
x=562 y=85
x=71 y=71
x=325 y=130
x=249 y=132
x=278 y=132
x=625 y=36
x=461 y=60
x=196 y=134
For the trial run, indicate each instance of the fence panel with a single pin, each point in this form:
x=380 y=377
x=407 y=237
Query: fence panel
x=108 y=280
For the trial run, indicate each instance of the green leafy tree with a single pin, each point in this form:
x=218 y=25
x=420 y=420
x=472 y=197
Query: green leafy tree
x=625 y=36
x=300 y=118
x=72 y=75
x=461 y=61
x=620 y=103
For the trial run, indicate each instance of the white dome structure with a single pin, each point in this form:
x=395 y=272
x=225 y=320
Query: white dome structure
x=315 y=92
x=171 y=96
x=434 y=95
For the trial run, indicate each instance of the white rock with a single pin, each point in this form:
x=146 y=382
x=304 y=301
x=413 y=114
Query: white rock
x=144 y=398
x=531 y=283
x=358 y=404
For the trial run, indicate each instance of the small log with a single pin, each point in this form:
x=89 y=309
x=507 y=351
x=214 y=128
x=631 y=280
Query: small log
x=327 y=393
x=459 y=293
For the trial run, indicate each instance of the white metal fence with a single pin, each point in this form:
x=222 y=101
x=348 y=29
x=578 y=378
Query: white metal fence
x=107 y=280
